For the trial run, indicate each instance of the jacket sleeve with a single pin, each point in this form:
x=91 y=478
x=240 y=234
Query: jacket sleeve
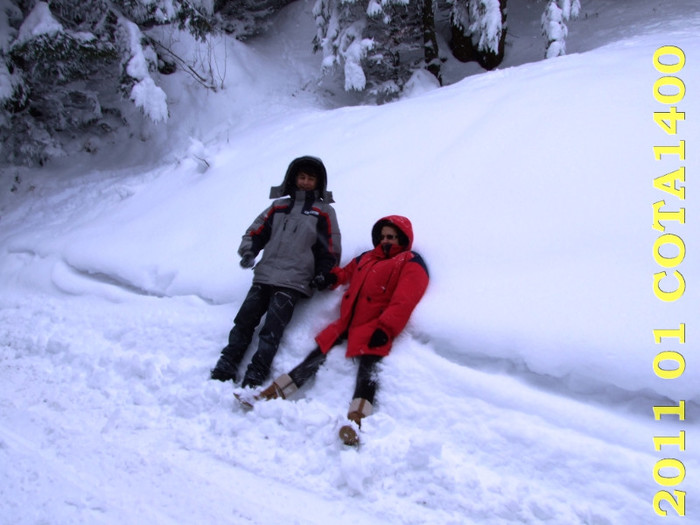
x=256 y=236
x=410 y=288
x=327 y=249
x=345 y=273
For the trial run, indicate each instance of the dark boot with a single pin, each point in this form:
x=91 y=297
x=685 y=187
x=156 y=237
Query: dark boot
x=256 y=374
x=259 y=368
x=227 y=365
x=359 y=408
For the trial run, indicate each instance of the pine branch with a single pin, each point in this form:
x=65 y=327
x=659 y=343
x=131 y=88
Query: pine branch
x=184 y=65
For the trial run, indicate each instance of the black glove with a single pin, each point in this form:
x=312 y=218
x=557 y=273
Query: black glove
x=379 y=338
x=247 y=260
x=324 y=280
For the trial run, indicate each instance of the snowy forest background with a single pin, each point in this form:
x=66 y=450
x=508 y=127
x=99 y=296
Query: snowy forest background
x=67 y=67
x=522 y=390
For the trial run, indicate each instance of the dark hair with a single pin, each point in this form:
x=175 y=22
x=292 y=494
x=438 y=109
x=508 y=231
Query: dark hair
x=310 y=168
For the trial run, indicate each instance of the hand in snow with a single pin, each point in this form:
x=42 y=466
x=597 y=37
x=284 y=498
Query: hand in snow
x=379 y=338
x=247 y=260
x=324 y=280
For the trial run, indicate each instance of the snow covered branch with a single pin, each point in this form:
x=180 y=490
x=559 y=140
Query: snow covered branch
x=144 y=91
x=554 y=19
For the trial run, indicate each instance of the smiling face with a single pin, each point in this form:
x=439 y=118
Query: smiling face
x=306 y=182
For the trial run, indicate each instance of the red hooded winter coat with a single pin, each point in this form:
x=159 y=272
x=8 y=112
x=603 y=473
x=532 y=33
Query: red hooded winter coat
x=383 y=291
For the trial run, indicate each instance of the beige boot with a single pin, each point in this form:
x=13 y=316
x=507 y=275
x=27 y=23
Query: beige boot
x=282 y=387
x=359 y=408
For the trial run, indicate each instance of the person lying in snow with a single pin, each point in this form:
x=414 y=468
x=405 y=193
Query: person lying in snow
x=385 y=285
x=300 y=240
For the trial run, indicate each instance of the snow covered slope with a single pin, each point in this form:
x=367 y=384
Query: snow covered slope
x=523 y=389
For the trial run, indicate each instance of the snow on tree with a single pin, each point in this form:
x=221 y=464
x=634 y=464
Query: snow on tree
x=72 y=70
x=341 y=25
x=142 y=60
x=54 y=73
x=245 y=18
x=9 y=15
x=64 y=69
x=479 y=31
x=39 y=22
x=6 y=83
x=554 y=19
x=570 y=8
x=376 y=44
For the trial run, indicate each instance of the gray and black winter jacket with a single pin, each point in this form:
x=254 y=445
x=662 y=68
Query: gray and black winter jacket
x=298 y=234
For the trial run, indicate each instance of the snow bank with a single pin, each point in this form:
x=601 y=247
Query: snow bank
x=535 y=228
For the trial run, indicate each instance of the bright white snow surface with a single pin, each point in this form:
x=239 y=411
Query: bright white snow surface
x=523 y=387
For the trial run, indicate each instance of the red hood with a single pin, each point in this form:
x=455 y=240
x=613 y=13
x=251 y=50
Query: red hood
x=400 y=223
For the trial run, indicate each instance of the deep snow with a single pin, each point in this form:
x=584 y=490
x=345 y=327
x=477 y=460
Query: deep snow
x=522 y=390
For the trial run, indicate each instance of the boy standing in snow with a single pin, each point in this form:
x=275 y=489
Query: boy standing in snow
x=300 y=240
x=385 y=285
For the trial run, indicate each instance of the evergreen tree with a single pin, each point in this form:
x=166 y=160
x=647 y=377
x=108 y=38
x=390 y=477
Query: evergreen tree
x=11 y=82
x=57 y=76
x=479 y=31
x=71 y=70
x=554 y=19
x=245 y=18
x=74 y=72
x=376 y=45
x=431 y=53
x=340 y=37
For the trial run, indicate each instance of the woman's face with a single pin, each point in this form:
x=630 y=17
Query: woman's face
x=389 y=235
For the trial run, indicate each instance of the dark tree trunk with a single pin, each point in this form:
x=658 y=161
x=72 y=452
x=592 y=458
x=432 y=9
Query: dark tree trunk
x=430 y=45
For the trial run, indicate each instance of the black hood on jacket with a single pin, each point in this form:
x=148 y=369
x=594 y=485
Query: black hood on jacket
x=307 y=164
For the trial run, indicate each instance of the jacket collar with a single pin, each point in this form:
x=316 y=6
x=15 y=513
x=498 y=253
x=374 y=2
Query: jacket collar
x=380 y=253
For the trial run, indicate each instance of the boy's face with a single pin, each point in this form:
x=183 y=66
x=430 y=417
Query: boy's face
x=306 y=182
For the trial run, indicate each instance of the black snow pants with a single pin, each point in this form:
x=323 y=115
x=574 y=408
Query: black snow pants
x=366 y=382
x=277 y=304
